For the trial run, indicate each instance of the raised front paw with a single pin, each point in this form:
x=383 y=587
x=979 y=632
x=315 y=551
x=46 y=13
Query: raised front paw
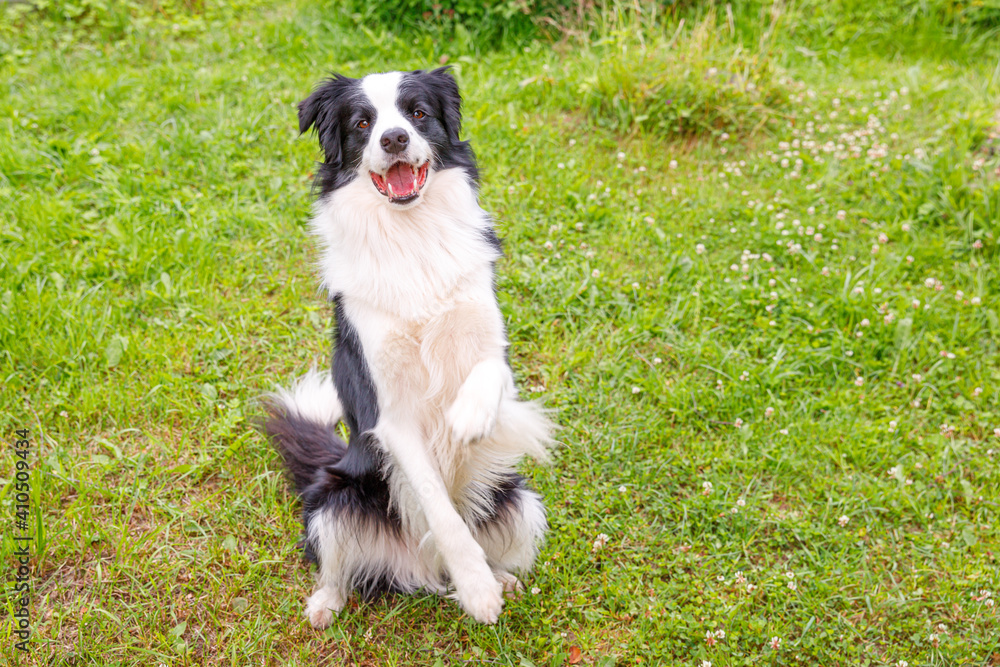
x=473 y=415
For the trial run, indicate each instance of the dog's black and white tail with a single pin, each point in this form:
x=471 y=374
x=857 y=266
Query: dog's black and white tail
x=300 y=424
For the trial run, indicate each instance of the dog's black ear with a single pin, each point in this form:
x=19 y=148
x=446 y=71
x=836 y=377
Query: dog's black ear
x=309 y=110
x=322 y=109
x=451 y=101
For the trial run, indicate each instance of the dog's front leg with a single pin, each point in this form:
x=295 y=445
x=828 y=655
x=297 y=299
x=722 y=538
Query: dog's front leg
x=474 y=413
x=478 y=591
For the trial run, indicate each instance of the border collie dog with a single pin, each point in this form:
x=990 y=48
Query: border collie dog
x=424 y=494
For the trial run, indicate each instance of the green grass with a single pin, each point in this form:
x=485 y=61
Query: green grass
x=728 y=386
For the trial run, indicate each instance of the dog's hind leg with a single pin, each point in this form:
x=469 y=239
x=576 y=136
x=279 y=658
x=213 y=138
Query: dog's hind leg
x=326 y=601
x=513 y=533
x=324 y=544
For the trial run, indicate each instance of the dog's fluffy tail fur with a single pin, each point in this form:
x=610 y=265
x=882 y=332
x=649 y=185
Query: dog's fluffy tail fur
x=301 y=423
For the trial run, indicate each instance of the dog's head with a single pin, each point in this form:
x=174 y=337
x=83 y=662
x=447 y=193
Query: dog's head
x=394 y=130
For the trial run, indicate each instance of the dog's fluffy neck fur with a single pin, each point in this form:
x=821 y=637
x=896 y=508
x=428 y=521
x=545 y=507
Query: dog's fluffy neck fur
x=405 y=262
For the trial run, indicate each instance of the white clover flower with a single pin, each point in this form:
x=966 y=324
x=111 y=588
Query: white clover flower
x=700 y=248
x=843 y=520
x=859 y=381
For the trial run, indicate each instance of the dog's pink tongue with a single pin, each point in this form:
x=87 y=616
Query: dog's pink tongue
x=402 y=178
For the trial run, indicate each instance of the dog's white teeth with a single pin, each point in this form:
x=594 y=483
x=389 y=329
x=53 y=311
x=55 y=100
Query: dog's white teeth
x=388 y=186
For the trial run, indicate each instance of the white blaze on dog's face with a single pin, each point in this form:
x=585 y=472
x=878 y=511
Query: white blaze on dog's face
x=396 y=157
x=393 y=130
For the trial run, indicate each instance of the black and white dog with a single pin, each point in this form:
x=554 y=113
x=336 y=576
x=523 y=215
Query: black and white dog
x=425 y=494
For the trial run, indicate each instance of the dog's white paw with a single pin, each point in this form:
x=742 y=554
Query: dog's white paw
x=473 y=415
x=477 y=590
x=511 y=585
x=482 y=599
x=320 y=619
x=322 y=605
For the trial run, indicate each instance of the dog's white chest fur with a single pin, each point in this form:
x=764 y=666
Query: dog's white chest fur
x=408 y=264
x=417 y=286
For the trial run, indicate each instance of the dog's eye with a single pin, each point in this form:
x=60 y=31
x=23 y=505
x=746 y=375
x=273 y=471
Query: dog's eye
x=362 y=124
x=418 y=114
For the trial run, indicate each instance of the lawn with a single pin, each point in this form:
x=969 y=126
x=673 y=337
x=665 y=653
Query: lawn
x=751 y=265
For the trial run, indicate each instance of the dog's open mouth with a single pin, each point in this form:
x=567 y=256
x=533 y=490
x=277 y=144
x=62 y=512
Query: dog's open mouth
x=401 y=183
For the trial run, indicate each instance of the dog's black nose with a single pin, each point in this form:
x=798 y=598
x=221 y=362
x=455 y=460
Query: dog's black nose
x=395 y=140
